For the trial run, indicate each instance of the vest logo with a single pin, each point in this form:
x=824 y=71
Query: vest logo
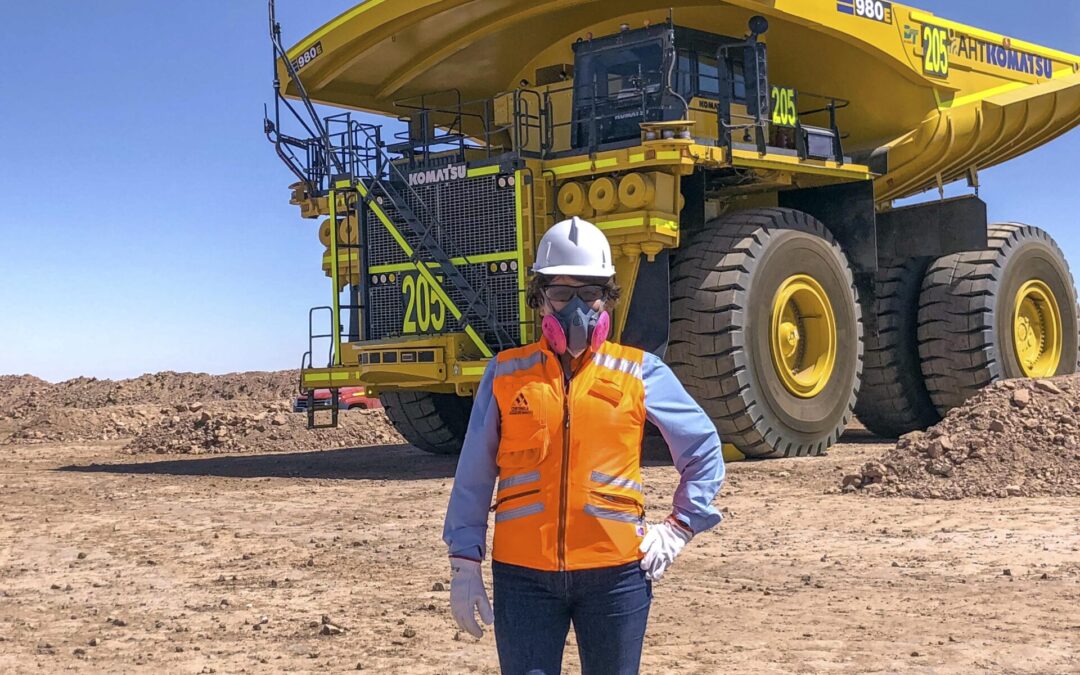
x=520 y=406
x=447 y=173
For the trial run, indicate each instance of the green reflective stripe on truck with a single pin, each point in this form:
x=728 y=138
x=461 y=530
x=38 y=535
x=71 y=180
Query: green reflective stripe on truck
x=330 y=377
x=473 y=259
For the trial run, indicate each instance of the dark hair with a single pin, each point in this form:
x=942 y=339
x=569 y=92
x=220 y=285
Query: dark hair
x=534 y=292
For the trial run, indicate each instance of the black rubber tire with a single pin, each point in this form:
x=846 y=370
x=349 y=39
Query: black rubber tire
x=724 y=278
x=893 y=399
x=966 y=307
x=435 y=423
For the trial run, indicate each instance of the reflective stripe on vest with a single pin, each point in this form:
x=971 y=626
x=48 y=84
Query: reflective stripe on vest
x=612 y=514
x=605 y=479
x=519 y=512
x=573 y=456
x=519 y=479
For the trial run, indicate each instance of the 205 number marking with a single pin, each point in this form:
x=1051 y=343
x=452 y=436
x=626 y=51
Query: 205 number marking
x=424 y=310
x=935 y=43
x=785 y=113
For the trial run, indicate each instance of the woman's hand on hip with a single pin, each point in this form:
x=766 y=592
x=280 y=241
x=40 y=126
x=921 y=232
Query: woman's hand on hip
x=661 y=544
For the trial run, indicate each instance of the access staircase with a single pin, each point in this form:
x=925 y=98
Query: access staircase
x=346 y=163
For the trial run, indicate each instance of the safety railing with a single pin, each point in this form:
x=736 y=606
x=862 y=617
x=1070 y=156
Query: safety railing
x=435 y=127
x=530 y=122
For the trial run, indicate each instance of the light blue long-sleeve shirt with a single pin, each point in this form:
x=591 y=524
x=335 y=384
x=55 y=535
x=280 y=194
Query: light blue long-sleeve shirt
x=690 y=435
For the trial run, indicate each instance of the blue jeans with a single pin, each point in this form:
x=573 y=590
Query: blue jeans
x=608 y=606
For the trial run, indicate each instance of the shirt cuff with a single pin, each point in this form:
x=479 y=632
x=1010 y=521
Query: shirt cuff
x=469 y=553
x=698 y=523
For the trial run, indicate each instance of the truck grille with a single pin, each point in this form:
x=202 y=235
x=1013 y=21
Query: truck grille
x=475 y=217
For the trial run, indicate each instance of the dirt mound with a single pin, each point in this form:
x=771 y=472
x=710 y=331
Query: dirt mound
x=214 y=428
x=177 y=412
x=51 y=424
x=20 y=394
x=1014 y=438
x=166 y=387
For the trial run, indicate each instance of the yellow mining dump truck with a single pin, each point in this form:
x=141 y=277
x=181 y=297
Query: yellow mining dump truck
x=742 y=156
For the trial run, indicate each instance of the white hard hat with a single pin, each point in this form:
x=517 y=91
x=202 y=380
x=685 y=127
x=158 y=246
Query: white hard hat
x=575 y=248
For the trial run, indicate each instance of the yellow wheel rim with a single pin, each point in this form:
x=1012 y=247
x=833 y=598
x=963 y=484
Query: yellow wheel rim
x=802 y=336
x=1037 y=329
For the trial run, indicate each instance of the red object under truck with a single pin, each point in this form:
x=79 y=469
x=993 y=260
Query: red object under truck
x=348 y=398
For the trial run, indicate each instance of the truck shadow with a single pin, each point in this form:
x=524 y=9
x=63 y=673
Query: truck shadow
x=388 y=462
x=377 y=462
x=858 y=435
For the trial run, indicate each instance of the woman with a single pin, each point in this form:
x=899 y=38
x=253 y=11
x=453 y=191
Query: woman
x=559 y=422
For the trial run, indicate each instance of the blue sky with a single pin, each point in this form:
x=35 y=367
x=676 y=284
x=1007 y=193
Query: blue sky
x=146 y=224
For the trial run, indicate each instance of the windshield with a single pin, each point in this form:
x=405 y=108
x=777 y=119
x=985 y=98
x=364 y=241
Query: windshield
x=621 y=71
x=698 y=74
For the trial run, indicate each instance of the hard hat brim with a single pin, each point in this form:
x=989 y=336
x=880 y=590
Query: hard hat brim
x=574 y=271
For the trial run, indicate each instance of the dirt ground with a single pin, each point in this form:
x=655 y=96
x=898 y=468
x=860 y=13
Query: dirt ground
x=113 y=562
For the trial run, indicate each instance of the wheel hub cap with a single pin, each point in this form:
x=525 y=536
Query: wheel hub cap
x=1037 y=329
x=802 y=336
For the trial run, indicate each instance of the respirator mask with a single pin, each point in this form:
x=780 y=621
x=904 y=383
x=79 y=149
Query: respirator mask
x=576 y=327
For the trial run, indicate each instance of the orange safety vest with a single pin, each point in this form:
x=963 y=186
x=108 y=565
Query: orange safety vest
x=569 y=458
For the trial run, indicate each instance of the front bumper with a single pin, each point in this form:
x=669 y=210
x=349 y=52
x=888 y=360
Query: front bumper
x=446 y=363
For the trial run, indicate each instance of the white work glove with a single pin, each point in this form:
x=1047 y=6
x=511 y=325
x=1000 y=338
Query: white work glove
x=467 y=596
x=661 y=544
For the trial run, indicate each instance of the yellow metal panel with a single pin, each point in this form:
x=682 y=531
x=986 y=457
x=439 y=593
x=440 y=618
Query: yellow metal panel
x=482 y=171
x=980 y=134
x=626 y=271
x=455 y=368
x=508 y=15
x=519 y=215
x=787 y=163
x=572 y=168
x=732 y=454
x=325 y=377
x=484 y=349
x=988 y=36
x=336 y=304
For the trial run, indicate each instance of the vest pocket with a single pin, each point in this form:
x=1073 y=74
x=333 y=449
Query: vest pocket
x=510 y=498
x=606 y=391
x=523 y=452
x=615 y=507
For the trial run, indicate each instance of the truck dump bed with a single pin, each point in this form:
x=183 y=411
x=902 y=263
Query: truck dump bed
x=925 y=117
